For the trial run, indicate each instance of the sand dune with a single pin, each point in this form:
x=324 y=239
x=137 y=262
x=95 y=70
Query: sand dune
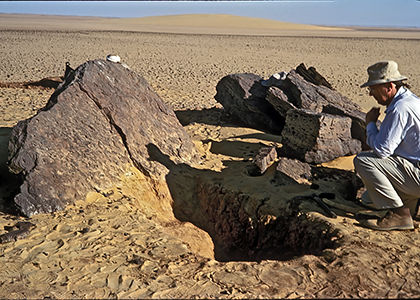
x=217 y=22
x=195 y=24
x=171 y=23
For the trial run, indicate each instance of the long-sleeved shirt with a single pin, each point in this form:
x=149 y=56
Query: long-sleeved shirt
x=399 y=133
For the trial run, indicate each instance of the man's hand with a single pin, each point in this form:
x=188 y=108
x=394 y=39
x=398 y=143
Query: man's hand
x=372 y=115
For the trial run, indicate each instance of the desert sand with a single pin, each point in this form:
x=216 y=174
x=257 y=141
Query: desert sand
x=116 y=246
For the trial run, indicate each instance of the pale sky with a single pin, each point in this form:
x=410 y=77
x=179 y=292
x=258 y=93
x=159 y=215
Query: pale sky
x=388 y=13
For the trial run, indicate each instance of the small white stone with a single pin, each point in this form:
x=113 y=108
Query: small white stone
x=113 y=58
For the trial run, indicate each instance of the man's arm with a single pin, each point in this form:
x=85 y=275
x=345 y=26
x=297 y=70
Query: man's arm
x=385 y=140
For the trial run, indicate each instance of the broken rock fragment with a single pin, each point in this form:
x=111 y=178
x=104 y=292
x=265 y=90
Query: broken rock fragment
x=290 y=170
x=311 y=74
x=262 y=161
x=317 y=137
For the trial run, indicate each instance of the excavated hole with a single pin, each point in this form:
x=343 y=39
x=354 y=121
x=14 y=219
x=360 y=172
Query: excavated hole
x=238 y=236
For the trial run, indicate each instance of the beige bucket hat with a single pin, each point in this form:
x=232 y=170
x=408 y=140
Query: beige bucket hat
x=382 y=72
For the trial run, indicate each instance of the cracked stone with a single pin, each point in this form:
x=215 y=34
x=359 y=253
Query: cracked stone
x=102 y=120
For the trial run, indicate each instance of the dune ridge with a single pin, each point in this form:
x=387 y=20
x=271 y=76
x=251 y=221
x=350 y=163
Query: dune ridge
x=184 y=24
x=221 y=21
x=209 y=24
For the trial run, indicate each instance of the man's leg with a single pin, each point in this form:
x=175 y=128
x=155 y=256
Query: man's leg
x=386 y=180
x=410 y=202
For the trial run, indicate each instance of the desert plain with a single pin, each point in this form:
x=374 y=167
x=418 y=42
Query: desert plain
x=131 y=251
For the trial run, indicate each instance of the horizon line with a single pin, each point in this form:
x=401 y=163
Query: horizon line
x=105 y=17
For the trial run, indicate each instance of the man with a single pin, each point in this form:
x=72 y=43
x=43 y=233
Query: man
x=391 y=171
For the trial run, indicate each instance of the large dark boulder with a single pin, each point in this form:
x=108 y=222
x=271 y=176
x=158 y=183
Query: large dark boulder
x=257 y=106
x=319 y=98
x=243 y=97
x=317 y=137
x=97 y=124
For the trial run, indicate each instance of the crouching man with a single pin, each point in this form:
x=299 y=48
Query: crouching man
x=391 y=171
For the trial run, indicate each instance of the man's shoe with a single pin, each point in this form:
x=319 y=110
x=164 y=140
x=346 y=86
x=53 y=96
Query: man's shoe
x=391 y=221
x=369 y=214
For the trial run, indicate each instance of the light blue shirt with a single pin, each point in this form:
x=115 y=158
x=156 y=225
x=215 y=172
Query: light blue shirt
x=399 y=133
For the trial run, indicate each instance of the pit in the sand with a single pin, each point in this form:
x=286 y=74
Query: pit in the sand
x=240 y=237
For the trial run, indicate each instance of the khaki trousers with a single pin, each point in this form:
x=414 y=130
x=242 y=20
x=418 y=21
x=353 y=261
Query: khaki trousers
x=391 y=182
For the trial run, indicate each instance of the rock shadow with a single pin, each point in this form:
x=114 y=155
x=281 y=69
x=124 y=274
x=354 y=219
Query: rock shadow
x=219 y=116
x=9 y=182
x=237 y=149
x=243 y=149
x=210 y=116
x=261 y=136
x=44 y=83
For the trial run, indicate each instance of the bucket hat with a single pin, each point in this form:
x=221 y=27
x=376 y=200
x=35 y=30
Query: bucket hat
x=383 y=72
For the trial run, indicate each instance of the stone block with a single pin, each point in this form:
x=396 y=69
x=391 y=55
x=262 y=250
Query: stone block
x=317 y=137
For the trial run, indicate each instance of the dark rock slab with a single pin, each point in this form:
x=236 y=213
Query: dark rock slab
x=256 y=106
x=340 y=105
x=262 y=161
x=319 y=98
x=96 y=125
x=22 y=230
x=279 y=100
x=243 y=97
x=317 y=137
x=302 y=93
x=312 y=76
x=290 y=170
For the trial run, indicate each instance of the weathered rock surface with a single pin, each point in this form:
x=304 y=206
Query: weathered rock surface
x=262 y=161
x=311 y=74
x=319 y=98
x=292 y=170
x=317 y=137
x=337 y=104
x=243 y=97
x=302 y=93
x=279 y=100
x=96 y=125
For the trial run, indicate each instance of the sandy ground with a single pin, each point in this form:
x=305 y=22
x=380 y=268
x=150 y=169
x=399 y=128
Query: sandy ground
x=127 y=252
